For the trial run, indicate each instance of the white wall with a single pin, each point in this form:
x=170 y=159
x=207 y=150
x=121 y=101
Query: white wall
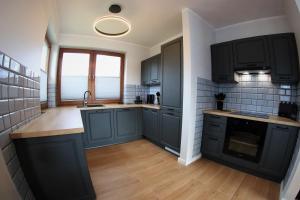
x=290 y=185
x=134 y=53
x=252 y=28
x=156 y=49
x=23 y=27
x=198 y=35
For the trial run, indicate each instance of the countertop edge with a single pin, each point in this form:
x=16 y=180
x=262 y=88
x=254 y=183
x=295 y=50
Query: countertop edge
x=21 y=135
x=272 y=119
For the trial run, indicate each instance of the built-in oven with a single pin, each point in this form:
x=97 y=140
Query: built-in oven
x=245 y=139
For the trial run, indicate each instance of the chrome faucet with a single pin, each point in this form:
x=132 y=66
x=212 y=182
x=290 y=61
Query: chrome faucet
x=85 y=98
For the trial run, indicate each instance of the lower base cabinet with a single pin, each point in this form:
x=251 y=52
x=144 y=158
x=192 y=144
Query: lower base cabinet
x=55 y=167
x=170 y=127
x=150 y=125
x=277 y=151
x=279 y=145
x=99 y=127
x=128 y=123
x=111 y=126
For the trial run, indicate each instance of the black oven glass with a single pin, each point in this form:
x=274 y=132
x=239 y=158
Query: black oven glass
x=245 y=138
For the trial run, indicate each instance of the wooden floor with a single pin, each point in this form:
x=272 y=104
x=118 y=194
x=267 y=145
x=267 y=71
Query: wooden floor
x=141 y=170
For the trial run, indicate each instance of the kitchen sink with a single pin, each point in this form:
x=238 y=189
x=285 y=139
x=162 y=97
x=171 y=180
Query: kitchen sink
x=90 y=105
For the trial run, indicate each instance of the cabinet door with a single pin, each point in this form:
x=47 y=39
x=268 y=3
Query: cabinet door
x=100 y=129
x=155 y=70
x=126 y=123
x=171 y=130
x=279 y=144
x=172 y=74
x=145 y=73
x=211 y=146
x=251 y=53
x=284 y=58
x=222 y=63
x=147 y=123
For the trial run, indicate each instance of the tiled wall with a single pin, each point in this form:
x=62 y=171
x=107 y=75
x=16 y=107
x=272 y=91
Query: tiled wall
x=205 y=100
x=256 y=93
x=252 y=93
x=51 y=95
x=19 y=103
x=131 y=91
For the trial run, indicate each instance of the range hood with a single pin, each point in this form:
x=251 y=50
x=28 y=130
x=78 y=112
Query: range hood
x=253 y=70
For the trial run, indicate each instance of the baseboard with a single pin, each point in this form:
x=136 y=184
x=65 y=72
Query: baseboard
x=186 y=163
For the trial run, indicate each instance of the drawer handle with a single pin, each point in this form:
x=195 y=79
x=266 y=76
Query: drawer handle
x=215 y=125
x=282 y=128
x=216 y=117
x=214 y=139
x=170 y=114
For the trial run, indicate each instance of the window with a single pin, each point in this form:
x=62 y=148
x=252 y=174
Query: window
x=44 y=69
x=100 y=72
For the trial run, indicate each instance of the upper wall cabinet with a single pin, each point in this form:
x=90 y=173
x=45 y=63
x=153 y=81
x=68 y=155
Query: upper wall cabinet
x=222 y=63
x=276 y=52
x=151 y=71
x=284 y=58
x=251 y=53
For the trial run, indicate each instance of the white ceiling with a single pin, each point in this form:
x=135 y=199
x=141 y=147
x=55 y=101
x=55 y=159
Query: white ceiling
x=154 y=21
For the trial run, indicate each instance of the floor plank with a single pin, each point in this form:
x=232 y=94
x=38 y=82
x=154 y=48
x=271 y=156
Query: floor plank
x=141 y=170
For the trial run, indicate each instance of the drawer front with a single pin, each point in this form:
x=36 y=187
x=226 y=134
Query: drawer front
x=211 y=146
x=214 y=129
x=215 y=118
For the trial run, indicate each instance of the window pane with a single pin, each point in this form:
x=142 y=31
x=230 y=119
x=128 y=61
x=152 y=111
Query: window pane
x=107 y=84
x=44 y=68
x=74 y=75
x=45 y=56
x=43 y=86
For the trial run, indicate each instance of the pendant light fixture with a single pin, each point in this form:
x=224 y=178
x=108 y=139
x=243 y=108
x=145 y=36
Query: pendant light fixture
x=112 y=25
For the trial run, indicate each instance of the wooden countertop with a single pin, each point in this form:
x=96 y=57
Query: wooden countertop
x=272 y=119
x=55 y=121
x=116 y=106
x=63 y=121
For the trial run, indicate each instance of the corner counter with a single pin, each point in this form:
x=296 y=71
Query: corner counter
x=272 y=118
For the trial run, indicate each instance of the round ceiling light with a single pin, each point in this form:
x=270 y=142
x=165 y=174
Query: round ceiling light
x=112 y=26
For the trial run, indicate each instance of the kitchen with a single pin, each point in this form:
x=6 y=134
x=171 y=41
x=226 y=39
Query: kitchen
x=148 y=126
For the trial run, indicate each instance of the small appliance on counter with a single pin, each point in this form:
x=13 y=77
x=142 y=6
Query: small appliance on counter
x=158 y=97
x=150 y=98
x=138 y=100
x=288 y=110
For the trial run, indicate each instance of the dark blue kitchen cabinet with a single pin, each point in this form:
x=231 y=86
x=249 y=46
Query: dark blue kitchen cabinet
x=170 y=123
x=284 y=58
x=56 y=167
x=279 y=145
x=150 y=125
x=150 y=71
x=99 y=127
x=277 y=148
x=213 y=135
x=172 y=74
x=251 y=53
x=222 y=63
x=127 y=124
x=111 y=126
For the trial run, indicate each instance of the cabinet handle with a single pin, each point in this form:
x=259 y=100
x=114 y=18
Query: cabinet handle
x=216 y=117
x=215 y=125
x=214 y=139
x=170 y=114
x=252 y=65
x=285 y=78
x=282 y=128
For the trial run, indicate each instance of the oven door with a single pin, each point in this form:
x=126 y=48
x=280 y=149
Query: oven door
x=245 y=139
